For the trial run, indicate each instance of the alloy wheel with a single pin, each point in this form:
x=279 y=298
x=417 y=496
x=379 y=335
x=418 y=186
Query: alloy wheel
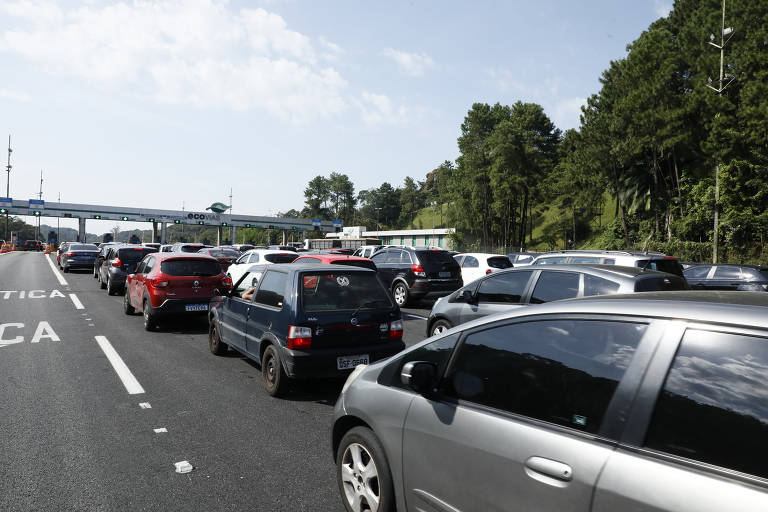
x=360 y=478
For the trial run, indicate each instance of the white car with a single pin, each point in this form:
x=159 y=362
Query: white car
x=258 y=256
x=475 y=265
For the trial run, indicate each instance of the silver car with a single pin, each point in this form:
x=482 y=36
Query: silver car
x=646 y=402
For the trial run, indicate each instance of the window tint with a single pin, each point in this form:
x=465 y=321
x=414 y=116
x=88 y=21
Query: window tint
x=594 y=285
x=380 y=257
x=585 y=259
x=438 y=352
x=507 y=287
x=555 y=286
x=723 y=272
x=499 y=262
x=342 y=289
x=550 y=261
x=356 y=263
x=655 y=284
x=393 y=256
x=670 y=265
x=132 y=255
x=470 y=262
x=434 y=256
x=140 y=268
x=280 y=258
x=82 y=247
x=272 y=289
x=190 y=267
x=697 y=272
x=714 y=404
x=751 y=274
x=307 y=261
x=191 y=248
x=242 y=259
x=560 y=371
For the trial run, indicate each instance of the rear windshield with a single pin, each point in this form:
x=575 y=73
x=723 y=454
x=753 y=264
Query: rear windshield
x=223 y=254
x=500 y=262
x=133 y=255
x=661 y=283
x=434 y=257
x=190 y=267
x=342 y=290
x=670 y=265
x=359 y=263
x=82 y=247
x=191 y=248
x=280 y=258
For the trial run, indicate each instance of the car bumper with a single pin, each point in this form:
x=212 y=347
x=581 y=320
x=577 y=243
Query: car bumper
x=434 y=288
x=321 y=363
x=179 y=306
x=76 y=263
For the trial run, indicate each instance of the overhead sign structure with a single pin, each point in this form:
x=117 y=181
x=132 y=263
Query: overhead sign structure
x=6 y=202
x=36 y=204
x=317 y=222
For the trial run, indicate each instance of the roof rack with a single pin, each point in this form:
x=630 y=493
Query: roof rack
x=599 y=251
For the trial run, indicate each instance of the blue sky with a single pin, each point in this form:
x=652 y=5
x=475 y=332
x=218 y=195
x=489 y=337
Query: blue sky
x=158 y=103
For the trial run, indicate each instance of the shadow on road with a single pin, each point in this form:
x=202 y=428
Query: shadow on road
x=320 y=391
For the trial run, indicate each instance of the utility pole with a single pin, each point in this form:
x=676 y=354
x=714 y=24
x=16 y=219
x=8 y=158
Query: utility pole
x=39 y=196
x=723 y=82
x=58 y=229
x=232 y=237
x=8 y=183
x=182 y=223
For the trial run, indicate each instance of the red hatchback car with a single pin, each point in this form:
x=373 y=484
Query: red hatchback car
x=225 y=256
x=173 y=283
x=336 y=259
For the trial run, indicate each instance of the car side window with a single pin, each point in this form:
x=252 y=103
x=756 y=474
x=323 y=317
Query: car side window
x=139 y=268
x=470 y=262
x=609 y=261
x=560 y=371
x=713 y=407
x=458 y=259
x=407 y=257
x=380 y=257
x=585 y=259
x=698 y=272
x=551 y=261
x=272 y=289
x=594 y=285
x=254 y=258
x=394 y=256
x=437 y=352
x=148 y=265
x=751 y=274
x=723 y=272
x=555 y=286
x=242 y=259
x=507 y=287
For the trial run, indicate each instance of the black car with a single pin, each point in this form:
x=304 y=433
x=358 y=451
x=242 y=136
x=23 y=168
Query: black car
x=727 y=277
x=412 y=273
x=120 y=260
x=32 y=245
x=78 y=256
x=306 y=321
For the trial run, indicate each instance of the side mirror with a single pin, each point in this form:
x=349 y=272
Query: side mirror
x=467 y=296
x=420 y=376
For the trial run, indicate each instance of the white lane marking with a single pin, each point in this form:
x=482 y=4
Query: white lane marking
x=162 y=430
x=56 y=272
x=129 y=381
x=12 y=341
x=419 y=317
x=145 y=405
x=183 y=466
x=76 y=301
x=44 y=330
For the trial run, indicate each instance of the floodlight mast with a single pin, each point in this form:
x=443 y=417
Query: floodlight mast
x=8 y=184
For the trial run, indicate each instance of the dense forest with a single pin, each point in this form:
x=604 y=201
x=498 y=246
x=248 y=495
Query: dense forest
x=638 y=173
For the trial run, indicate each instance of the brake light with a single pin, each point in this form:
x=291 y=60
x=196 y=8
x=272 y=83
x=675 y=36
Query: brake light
x=487 y=271
x=70 y=255
x=299 y=337
x=117 y=262
x=157 y=283
x=396 y=330
x=418 y=270
x=226 y=282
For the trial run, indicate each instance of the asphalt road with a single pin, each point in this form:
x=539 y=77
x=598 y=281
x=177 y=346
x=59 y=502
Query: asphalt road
x=75 y=437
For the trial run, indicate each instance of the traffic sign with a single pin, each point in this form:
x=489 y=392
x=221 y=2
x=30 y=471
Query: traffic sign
x=6 y=202
x=337 y=223
x=36 y=204
x=317 y=222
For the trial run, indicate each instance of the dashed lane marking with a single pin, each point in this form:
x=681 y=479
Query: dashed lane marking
x=56 y=272
x=126 y=376
x=76 y=301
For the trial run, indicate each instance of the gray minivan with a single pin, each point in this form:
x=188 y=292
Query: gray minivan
x=648 y=402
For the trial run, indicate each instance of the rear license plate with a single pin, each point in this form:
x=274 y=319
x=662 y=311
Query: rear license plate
x=349 y=362
x=196 y=307
x=445 y=274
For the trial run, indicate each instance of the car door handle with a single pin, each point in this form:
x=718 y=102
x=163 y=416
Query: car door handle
x=548 y=468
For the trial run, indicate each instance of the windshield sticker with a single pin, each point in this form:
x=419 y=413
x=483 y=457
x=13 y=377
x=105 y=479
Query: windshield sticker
x=310 y=281
x=342 y=280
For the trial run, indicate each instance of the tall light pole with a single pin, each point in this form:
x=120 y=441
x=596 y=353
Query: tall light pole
x=39 y=196
x=723 y=82
x=8 y=182
x=378 y=227
x=58 y=229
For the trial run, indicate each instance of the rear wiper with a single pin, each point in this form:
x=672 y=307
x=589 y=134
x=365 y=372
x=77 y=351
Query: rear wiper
x=366 y=305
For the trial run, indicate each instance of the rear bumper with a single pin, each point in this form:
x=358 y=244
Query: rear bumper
x=76 y=263
x=434 y=287
x=179 y=306
x=321 y=363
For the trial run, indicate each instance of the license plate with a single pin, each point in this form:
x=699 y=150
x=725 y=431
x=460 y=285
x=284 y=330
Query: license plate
x=349 y=362
x=445 y=274
x=196 y=307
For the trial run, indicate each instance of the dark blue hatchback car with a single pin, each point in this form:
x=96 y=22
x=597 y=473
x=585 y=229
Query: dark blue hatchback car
x=306 y=321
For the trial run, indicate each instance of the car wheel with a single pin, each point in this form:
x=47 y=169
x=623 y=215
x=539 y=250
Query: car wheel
x=400 y=293
x=110 y=288
x=363 y=473
x=95 y=272
x=65 y=269
x=440 y=327
x=127 y=308
x=150 y=319
x=218 y=347
x=102 y=284
x=275 y=379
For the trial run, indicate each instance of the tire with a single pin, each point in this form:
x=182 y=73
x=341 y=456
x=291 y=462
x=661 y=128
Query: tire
x=102 y=284
x=217 y=346
x=110 y=289
x=275 y=379
x=363 y=474
x=440 y=326
x=150 y=318
x=400 y=294
x=95 y=272
x=65 y=269
x=128 y=309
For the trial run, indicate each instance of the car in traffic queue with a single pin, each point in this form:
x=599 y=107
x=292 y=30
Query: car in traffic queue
x=258 y=256
x=32 y=245
x=413 y=273
x=187 y=247
x=166 y=248
x=61 y=249
x=103 y=251
x=525 y=286
x=307 y=321
x=650 y=402
x=335 y=259
x=476 y=265
x=78 y=255
x=168 y=284
x=120 y=260
x=727 y=277
x=225 y=256
x=154 y=245
x=643 y=259
x=366 y=251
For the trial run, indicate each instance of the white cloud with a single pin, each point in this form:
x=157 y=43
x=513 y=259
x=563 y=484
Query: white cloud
x=378 y=109
x=414 y=64
x=567 y=113
x=662 y=8
x=197 y=52
x=13 y=95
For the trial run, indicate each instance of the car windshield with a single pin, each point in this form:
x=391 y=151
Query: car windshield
x=499 y=262
x=180 y=267
x=280 y=257
x=133 y=255
x=342 y=290
x=191 y=248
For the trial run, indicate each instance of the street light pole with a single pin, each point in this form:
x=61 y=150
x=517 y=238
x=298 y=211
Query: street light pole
x=8 y=183
x=39 y=196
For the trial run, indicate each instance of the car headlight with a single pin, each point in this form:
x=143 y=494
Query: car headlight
x=352 y=376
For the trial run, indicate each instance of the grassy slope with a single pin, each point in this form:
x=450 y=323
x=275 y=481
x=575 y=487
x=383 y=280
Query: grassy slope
x=549 y=216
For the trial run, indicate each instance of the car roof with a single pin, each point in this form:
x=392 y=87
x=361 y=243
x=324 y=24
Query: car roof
x=481 y=255
x=603 y=252
x=332 y=257
x=616 y=271
x=736 y=265
x=290 y=267
x=268 y=251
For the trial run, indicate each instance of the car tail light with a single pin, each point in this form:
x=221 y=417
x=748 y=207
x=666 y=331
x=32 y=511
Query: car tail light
x=488 y=271
x=70 y=255
x=227 y=282
x=418 y=270
x=117 y=262
x=299 y=337
x=157 y=283
x=396 y=330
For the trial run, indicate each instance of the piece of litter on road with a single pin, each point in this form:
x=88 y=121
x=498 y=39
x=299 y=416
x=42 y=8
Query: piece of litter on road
x=183 y=467
x=145 y=405
x=160 y=430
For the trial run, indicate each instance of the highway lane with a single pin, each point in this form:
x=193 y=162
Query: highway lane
x=75 y=439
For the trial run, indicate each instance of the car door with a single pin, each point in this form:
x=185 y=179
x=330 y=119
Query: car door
x=139 y=281
x=697 y=438
x=234 y=314
x=470 y=269
x=386 y=270
x=267 y=308
x=518 y=422
x=555 y=285
x=104 y=268
x=496 y=293
x=697 y=275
